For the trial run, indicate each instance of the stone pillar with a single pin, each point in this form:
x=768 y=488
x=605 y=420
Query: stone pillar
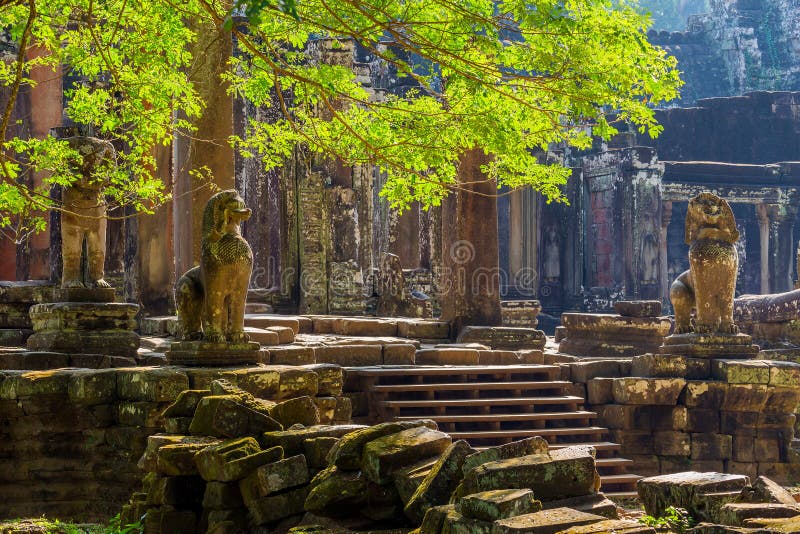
x=470 y=279
x=516 y=227
x=781 y=246
x=762 y=211
x=207 y=148
x=666 y=218
x=44 y=111
x=404 y=229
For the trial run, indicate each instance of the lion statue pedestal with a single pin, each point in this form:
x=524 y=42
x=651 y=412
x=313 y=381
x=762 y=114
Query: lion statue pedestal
x=702 y=297
x=210 y=298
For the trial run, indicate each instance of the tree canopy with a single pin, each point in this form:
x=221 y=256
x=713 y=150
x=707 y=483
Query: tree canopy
x=508 y=77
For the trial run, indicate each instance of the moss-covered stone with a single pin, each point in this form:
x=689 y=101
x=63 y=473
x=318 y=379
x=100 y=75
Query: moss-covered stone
x=186 y=403
x=276 y=507
x=409 y=478
x=545 y=522
x=274 y=477
x=498 y=504
x=316 y=450
x=234 y=459
x=177 y=459
x=568 y=472
x=292 y=440
x=523 y=447
x=336 y=493
x=151 y=384
x=383 y=456
x=227 y=416
x=441 y=480
x=348 y=452
x=434 y=518
x=299 y=410
x=222 y=496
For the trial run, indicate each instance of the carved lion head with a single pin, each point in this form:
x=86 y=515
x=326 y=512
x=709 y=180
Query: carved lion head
x=710 y=216
x=224 y=212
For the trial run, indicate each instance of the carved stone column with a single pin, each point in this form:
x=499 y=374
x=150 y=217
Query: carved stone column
x=781 y=246
x=763 y=213
x=666 y=218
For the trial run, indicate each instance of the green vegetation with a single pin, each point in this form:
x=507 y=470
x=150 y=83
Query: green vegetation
x=674 y=520
x=54 y=526
x=510 y=78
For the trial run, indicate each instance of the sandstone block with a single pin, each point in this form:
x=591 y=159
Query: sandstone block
x=168 y=519
x=273 y=478
x=155 y=384
x=262 y=336
x=784 y=374
x=704 y=394
x=180 y=491
x=595 y=503
x=144 y=414
x=741 y=371
x=617 y=526
x=447 y=356
x=524 y=447
x=455 y=523
x=600 y=391
x=503 y=337
x=154 y=442
x=567 y=472
x=745 y=397
x=298 y=410
x=664 y=391
x=334 y=492
x=177 y=459
x=257 y=320
x=89 y=388
x=316 y=451
x=783 y=400
x=436 y=488
x=366 y=327
x=222 y=496
x=292 y=355
x=276 y=507
x=499 y=504
x=383 y=456
x=233 y=459
x=347 y=453
x=588 y=370
x=186 y=403
x=417 y=329
x=739 y=423
x=735 y=514
x=330 y=378
x=434 y=518
x=765 y=490
x=669 y=417
x=227 y=416
x=285 y=333
x=545 y=521
x=743 y=449
x=707 y=446
x=407 y=479
x=292 y=440
x=350 y=355
x=672 y=443
x=686 y=490
x=399 y=354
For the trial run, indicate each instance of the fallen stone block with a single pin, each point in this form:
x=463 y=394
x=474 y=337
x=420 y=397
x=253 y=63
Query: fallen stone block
x=154 y=442
x=276 y=507
x=234 y=459
x=274 y=478
x=498 y=504
x=330 y=378
x=455 y=523
x=409 y=478
x=168 y=519
x=383 y=456
x=316 y=451
x=443 y=477
x=434 y=519
x=615 y=526
x=334 y=492
x=347 y=453
x=180 y=491
x=545 y=522
x=688 y=490
x=186 y=403
x=568 y=472
x=222 y=496
x=298 y=410
x=596 y=504
x=177 y=459
x=768 y=491
x=227 y=416
x=523 y=447
x=735 y=514
x=292 y=440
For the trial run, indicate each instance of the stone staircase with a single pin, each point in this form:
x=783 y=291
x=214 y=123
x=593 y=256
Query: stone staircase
x=491 y=405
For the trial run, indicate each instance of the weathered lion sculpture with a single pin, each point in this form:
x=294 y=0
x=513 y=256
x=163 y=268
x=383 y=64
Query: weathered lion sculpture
x=709 y=285
x=210 y=298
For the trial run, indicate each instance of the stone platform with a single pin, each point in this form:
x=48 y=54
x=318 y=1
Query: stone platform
x=728 y=346
x=85 y=328
x=203 y=353
x=16 y=298
x=610 y=335
x=503 y=337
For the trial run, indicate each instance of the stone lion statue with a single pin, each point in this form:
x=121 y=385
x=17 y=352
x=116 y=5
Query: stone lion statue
x=84 y=215
x=709 y=285
x=210 y=298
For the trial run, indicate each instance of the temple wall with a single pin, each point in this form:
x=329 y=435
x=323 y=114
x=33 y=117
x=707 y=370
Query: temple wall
x=70 y=439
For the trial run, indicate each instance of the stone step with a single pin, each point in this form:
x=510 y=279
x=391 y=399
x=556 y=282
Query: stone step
x=516 y=401
x=472 y=386
x=513 y=417
x=457 y=370
x=519 y=434
x=600 y=446
x=613 y=462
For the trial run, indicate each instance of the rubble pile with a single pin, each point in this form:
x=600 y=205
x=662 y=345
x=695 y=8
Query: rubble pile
x=723 y=503
x=236 y=463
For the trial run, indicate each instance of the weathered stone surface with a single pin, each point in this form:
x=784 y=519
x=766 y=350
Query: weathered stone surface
x=227 y=416
x=596 y=504
x=350 y=355
x=292 y=440
x=423 y=329
x=334 y=492
x=504 y=338
x=262 y=336
x=447 y=356
x=704 y=394
x=784 y=373
x=735 y=514
x=177 y=459
x=498 y=504
x=523 y=447
x=745 y=398
x=316 y=450
x=347 y=453
x=638 y=308
x=409 y=478
x=383 y=456
x=696 y=345
x=180 y=491
x=741 y=371
x=767 y=491
x=594 y=334
x=299 y=410
x=687 y=490
x=167 y=519
x=440 y=482
x=568 y=472
x=275 y=507
x=186 y=403
x=234 y=459
x=435 y=517
x=399 y=354
x=273 y=478
x=545 y=521
x=212 y=354
x=89 y=388
x=664 y=391
x=151 y=384
x=709 y=446
x=455 y=523
x=329 y=380
x=617 y=526
x=148 y=461
x=222 y=496
x=291 y=355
